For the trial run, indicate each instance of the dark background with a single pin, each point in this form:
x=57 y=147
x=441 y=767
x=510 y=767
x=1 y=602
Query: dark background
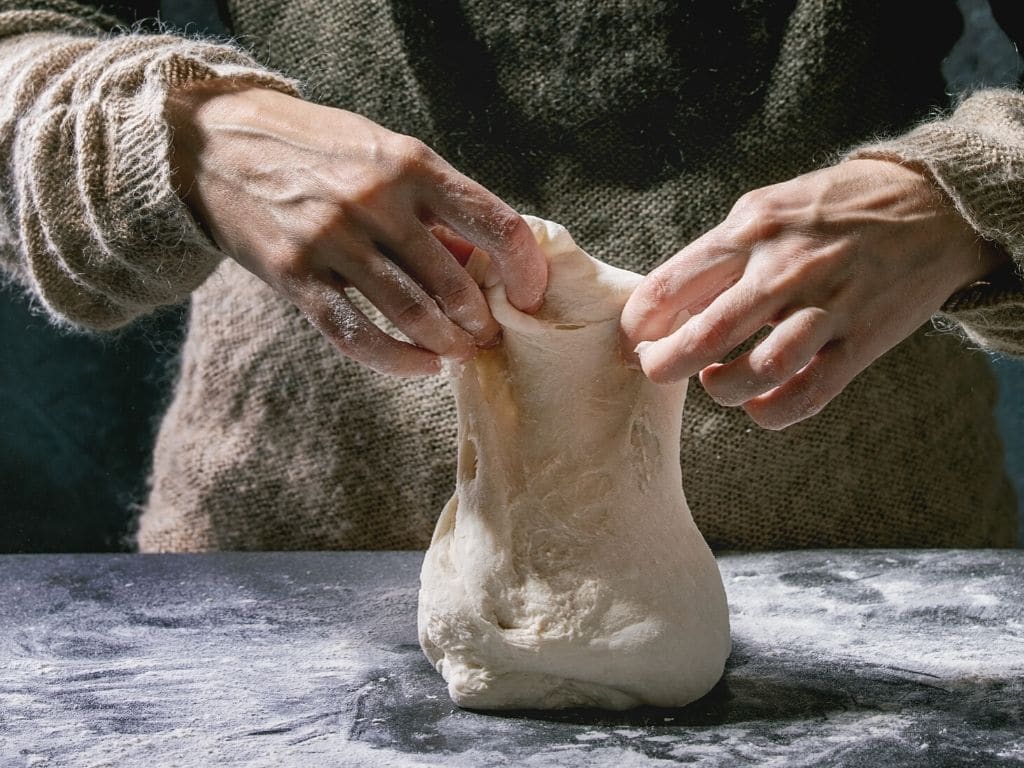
x=79 y=412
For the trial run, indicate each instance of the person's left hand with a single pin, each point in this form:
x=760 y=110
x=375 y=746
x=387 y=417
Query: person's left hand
x=842 y=263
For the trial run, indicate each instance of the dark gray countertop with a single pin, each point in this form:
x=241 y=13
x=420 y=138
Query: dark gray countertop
x=871 y=658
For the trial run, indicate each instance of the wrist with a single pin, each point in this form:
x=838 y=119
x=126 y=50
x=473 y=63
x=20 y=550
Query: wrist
x=967 y=255
x=190 y=112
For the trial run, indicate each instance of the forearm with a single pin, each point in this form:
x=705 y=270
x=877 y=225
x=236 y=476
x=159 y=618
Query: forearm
x=976 y=155
x=90 y=220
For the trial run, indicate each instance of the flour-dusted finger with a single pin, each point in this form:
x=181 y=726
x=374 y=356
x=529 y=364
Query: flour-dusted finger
x=459 y=247
x=787 y=349
x=356 y=336
x=444 y=279
x=687 y=282
x=484 y=220
x=807 y=392
x=709 y=336
x=403 y=301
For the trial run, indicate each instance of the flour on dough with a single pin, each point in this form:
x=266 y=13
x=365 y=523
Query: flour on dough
x=566 y=571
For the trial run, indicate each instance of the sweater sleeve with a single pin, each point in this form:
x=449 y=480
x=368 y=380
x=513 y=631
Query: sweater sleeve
x=90 y=224
x=976 y=155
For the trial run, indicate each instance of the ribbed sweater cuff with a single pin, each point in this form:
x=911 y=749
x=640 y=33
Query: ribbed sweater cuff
x=976 y=156
x=104 y=236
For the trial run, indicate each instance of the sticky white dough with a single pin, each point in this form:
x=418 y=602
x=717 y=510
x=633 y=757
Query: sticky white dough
x=566 y=571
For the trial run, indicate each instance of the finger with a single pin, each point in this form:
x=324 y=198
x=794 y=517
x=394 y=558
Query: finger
x=709 y=336
x=787 y=349
x=400 y=298
x=356 y=337
x=685 y=283
x=458 y=247
x=422 y=256
x=483 y=219
x=807 y=392
x=475 y=261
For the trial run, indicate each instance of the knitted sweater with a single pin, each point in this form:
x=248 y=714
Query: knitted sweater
x=637 y=127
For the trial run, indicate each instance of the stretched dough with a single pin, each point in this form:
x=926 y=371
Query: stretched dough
x=566 y=571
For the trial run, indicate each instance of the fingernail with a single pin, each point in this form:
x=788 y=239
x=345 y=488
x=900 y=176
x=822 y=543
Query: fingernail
x=642 y=351
x=437 y=365
x=460 y=355
x=491 y=342
x=491 y=276
x=533 y=307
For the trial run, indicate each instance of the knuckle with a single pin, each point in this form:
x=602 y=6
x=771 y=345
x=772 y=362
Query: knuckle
x=762 y=225
x=401 y=161
x=457 y=296
x=351 y=196
x=411 y=154
x=771 y=368
x=339 y=321
x=352 y=206
x=463 y=303
x=657 y=286
x=809 y=320
x=748 y=202
x=292 y=263
x=349 y=207
x=412 y=314
x=775 y=360
x=512 y=229
x=809 y=399
x=756 y=217
x=325 y=318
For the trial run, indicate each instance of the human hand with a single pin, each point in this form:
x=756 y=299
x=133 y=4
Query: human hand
x=314 y=200
x=842 y=264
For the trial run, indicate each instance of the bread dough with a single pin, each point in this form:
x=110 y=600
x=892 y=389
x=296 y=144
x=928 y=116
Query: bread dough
x=566 y=571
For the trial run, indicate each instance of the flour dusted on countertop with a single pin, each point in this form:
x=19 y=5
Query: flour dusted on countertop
x=566 y=570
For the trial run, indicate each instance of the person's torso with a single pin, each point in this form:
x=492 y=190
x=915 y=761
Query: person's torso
x=635 y=125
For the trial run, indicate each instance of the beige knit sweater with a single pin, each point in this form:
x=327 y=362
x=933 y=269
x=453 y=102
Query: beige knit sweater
x=275 y=441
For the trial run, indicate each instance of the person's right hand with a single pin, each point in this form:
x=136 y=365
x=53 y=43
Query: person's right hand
x=314 y=200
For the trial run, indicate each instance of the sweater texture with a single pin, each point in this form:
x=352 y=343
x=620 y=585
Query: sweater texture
x=637 y=126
